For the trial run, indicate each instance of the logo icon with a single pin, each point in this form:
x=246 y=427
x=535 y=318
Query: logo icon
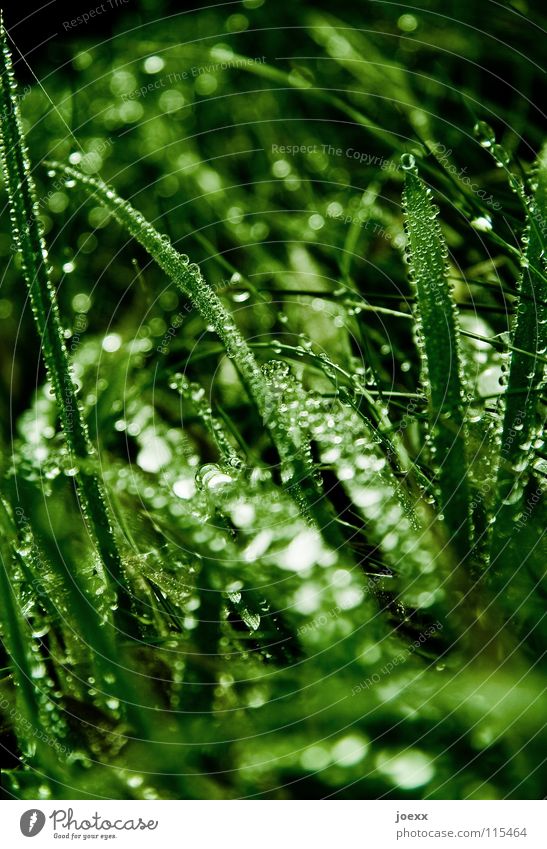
x=32 y=822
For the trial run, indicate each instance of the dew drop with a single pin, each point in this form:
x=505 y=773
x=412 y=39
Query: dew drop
x=482 y=223
x=502 y=157
x=241 y=297
x=211 y=477
x=408 y=162
x=38 y=670
x=112 y=342
x=484 y=134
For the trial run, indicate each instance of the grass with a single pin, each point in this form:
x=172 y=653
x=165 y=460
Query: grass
x=272 y=517
x=438 y=338
x=522 y=428
x=29 y=242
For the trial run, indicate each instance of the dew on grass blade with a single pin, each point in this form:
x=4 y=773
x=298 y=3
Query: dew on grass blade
x=439 y=344
x=29 y=239
x=408 y=162
x=484 y=134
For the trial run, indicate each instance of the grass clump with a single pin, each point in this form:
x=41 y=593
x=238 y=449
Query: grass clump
x=438 y=338
x=310 y=463
x=29 y=241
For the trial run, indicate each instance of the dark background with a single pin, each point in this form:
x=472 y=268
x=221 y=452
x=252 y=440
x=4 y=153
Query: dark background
x=38 y=32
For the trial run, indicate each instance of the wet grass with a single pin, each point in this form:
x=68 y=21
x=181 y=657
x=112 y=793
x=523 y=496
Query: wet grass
x=272 y=489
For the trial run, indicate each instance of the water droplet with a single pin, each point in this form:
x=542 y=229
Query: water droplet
x=502 y=157
x=112 y=342
x=38 y=670
x=211 y=476
x=484 y=134
x=184 y=488
x=408 y=162
x=241 y=297
x=482 y=223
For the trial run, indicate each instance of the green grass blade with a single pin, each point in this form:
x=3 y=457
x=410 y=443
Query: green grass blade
x=186 y=275
x=68 y=598
x=189 y=279
x=276 y=75
x=29 y=721
x=435 y=314
x=195 y=395
x=30 y=242
x=521 y=421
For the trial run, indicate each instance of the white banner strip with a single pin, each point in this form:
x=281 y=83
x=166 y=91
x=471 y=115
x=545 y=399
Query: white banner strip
x=275 y=824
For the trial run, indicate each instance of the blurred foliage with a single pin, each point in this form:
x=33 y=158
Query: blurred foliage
x=263 y=654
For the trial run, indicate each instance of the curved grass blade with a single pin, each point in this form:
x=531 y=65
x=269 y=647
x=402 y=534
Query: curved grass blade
x=119 y=688
x=195 y=395
x=189 y=279
x=300 y=83
x=186 y=275
x=30 y=724
x=435 y=314
x=30 y=242
x=522 y=424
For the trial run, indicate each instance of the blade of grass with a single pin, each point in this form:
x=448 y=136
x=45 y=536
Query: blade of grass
x=69 y=597
x=195 y=394
x=29 y=723
x=298 y=82
x=521 y=421
x=189 y=279
x=29 y=240
x=435 y=314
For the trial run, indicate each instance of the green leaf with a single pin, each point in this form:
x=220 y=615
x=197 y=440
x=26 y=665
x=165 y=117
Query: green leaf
x=438 y=340
x=522 y=423
x=29 y=240
x=35 y=733
x=189 y=279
